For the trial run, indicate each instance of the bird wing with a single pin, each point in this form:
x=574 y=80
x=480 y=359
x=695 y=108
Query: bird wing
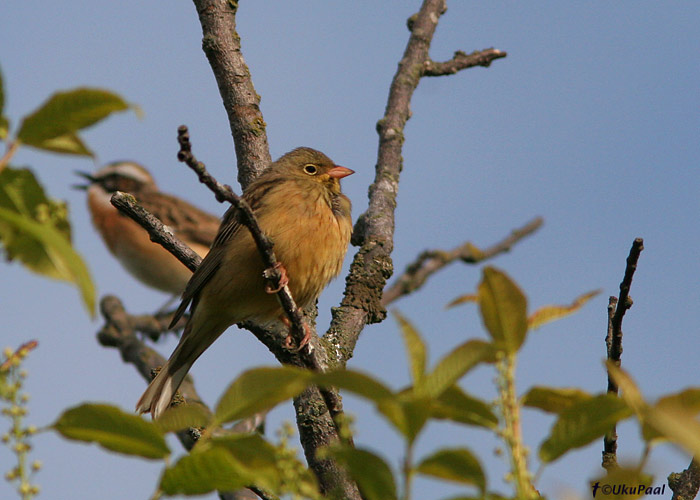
x=187 y=221
x=229 y=226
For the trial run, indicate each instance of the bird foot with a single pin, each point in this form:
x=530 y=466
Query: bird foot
x=270 y=272
x=289 y=341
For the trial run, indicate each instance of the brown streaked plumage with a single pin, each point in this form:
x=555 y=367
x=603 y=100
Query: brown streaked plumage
x=129 y=243
x=299 y=205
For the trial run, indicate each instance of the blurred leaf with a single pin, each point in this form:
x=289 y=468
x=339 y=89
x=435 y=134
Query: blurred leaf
x=547 y=314
x=54 y=125
x=35 y=230
x=454 y=404
x=2 y=93
x=463 y=299
x=630 y=393
x=581 y=423
x=4 y=127
x=415 y=348
x=4 y=122
x=503 y=309
x=184 y=416
x=258 y=458
x=454 y=464
x=676 y=425
x=686 y=402
x=554 y=400
x=357 y=382
x=112 y=429
x=455 y=365
x=260 y=389
x=632 y=478
x=198 y=473
x=371 y=472
x=415 y=411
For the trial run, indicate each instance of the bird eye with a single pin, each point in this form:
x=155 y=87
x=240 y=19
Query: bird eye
x=310 y=169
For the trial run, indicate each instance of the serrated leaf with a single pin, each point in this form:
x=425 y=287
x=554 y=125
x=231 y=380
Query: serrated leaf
x=43 y=249
x=463 y=299
x=372 y=474
x=260 y=389
x=582 y=423
x=454 y=404
x=199 y=473
x=554 y=400
x=184 y=416
x=455 y=365
x=503 y=309
x=357 y=382
x=113 y=429
x=54 y=125
x=550 y=313
x=454 y=464
x=415 y=348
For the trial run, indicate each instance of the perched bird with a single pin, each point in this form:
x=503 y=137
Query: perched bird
x=129 y=243
x=298 y=204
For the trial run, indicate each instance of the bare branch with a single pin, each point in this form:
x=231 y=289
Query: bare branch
x=431 y=261
x=462 y=61
x=374 y=230
x=685 y=485
x=222 y=46
x=159 y=232
x=613 y=341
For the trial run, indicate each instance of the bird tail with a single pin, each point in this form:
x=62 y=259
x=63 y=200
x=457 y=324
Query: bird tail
x=156 y=399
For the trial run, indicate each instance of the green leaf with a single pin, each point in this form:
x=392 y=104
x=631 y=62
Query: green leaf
x=582 y=423
x=676 y=425
x=260 y=389
x=503 y=309
x=547 y=314
x=184 y=416
x=415 y=348
x=372 y=474
x=55 y=124
x=454 y=404
x=455 y=365
x=112 y=429
x=554 y=400
x=357 y=382
x=462 y=299
x=35 y=230
x=210 y=470
x=2 y=93
x=686 y=402
x=454 y=464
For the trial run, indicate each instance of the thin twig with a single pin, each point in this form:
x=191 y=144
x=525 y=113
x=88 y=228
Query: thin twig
x=158 y=232
x=613 y=342
x=461 y=61
x=431 y=261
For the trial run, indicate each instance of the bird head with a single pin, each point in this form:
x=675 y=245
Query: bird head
x=126 y=176
x=306 y=164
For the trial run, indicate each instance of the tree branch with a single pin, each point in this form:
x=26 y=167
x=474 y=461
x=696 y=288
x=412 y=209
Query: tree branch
x=613 y=342
x=431 y=261
x=374 y=230
x=685 y=485
x=462 y=61
x=222 y=46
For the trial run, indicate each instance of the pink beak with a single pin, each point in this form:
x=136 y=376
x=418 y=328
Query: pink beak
x=338 y=172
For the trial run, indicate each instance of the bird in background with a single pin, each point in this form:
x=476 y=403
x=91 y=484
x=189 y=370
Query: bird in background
x=298 y=203
x=148 y=262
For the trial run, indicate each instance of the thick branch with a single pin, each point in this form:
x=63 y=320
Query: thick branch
x=222 y=46
x=685 y=485
x=374 y=230
x=431 y=261
x=613 y=342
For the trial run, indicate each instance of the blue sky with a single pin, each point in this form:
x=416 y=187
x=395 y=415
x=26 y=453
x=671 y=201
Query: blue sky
x=591 y=122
